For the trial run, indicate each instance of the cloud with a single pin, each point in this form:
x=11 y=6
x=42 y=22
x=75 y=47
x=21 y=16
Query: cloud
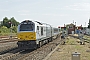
x=82 y=6
x=6 y=1
x=4 y=10
x=53 y=8
x=2 y=1
x=78 y=7
x=56 y=14
x=24 y=14
x=24 y=11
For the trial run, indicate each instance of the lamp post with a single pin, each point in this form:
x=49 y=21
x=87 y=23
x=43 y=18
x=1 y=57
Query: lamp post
x=75 y=28
x=85 y=25
x=0 y=23
x=10 y=29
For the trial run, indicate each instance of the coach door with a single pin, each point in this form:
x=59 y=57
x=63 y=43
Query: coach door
x=41 y=31
x=38 y=32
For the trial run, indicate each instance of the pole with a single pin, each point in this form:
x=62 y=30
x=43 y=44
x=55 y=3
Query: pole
x=10 y=30
x=73 y=21
x=85 y=25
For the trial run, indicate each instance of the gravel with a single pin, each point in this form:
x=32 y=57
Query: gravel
x=8 y=45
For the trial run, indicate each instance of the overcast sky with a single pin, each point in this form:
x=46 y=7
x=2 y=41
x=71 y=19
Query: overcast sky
x=54 y=12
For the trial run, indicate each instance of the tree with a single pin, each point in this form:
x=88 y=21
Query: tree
x=14 y=29
x=1 y=23
x=5 y=25
x=89 y=24
x=13 y=22
x=5 y=22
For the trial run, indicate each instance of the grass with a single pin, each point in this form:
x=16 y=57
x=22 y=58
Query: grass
x=87 y=37
x=66 y=50
x=70 y=41
x=78 y=47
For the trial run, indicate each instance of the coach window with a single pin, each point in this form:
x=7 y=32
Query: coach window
x=41 y=30
x=55 y=30
x=37 y=27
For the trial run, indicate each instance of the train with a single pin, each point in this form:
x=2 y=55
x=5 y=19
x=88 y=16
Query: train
x=34 y=34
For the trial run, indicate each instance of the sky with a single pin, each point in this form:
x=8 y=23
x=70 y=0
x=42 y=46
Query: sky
x=53 y=12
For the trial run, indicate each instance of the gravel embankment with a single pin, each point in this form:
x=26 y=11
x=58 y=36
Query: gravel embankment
x=8 y=45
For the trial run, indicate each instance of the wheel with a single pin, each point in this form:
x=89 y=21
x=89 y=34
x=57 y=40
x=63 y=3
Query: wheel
x=80 y=43
x=37 y=45
x=40 y=44
x=83 y=43
x=63 y=43
x=47 y=41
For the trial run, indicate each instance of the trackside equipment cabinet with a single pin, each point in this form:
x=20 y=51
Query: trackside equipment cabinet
x=75 y=56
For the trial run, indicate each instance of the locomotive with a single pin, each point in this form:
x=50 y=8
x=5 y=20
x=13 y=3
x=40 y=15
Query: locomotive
x=33 y=34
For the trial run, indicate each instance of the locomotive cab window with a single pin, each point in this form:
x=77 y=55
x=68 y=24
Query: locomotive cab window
x=26 y=27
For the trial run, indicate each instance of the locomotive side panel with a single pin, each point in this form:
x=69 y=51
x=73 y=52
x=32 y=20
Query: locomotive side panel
x=40 y=32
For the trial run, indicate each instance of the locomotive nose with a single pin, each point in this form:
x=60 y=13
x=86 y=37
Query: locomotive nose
x=26 y=36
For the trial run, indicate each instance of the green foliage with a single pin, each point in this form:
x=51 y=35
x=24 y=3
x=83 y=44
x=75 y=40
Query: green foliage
x=7 y=22
x=4 y=30
x=5 y=26
x=7 y=31
x=1 y=24
x=14 y=22
x=14 y=29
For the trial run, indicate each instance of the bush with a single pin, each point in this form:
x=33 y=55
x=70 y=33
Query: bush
x=7 y=31
x=4 y=29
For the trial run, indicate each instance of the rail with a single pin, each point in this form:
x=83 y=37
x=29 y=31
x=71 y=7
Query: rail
x=7 y=37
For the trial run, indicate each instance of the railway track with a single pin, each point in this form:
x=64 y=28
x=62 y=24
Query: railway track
x=37 y=54
x=8 y=50
x=9 y=54
x=6 y=45
x=5 y=41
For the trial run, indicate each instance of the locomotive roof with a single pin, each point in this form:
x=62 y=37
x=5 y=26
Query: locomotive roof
x=26 y=21
x=36 y=22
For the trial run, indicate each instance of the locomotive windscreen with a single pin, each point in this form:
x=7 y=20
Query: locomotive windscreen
x=27 y=26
